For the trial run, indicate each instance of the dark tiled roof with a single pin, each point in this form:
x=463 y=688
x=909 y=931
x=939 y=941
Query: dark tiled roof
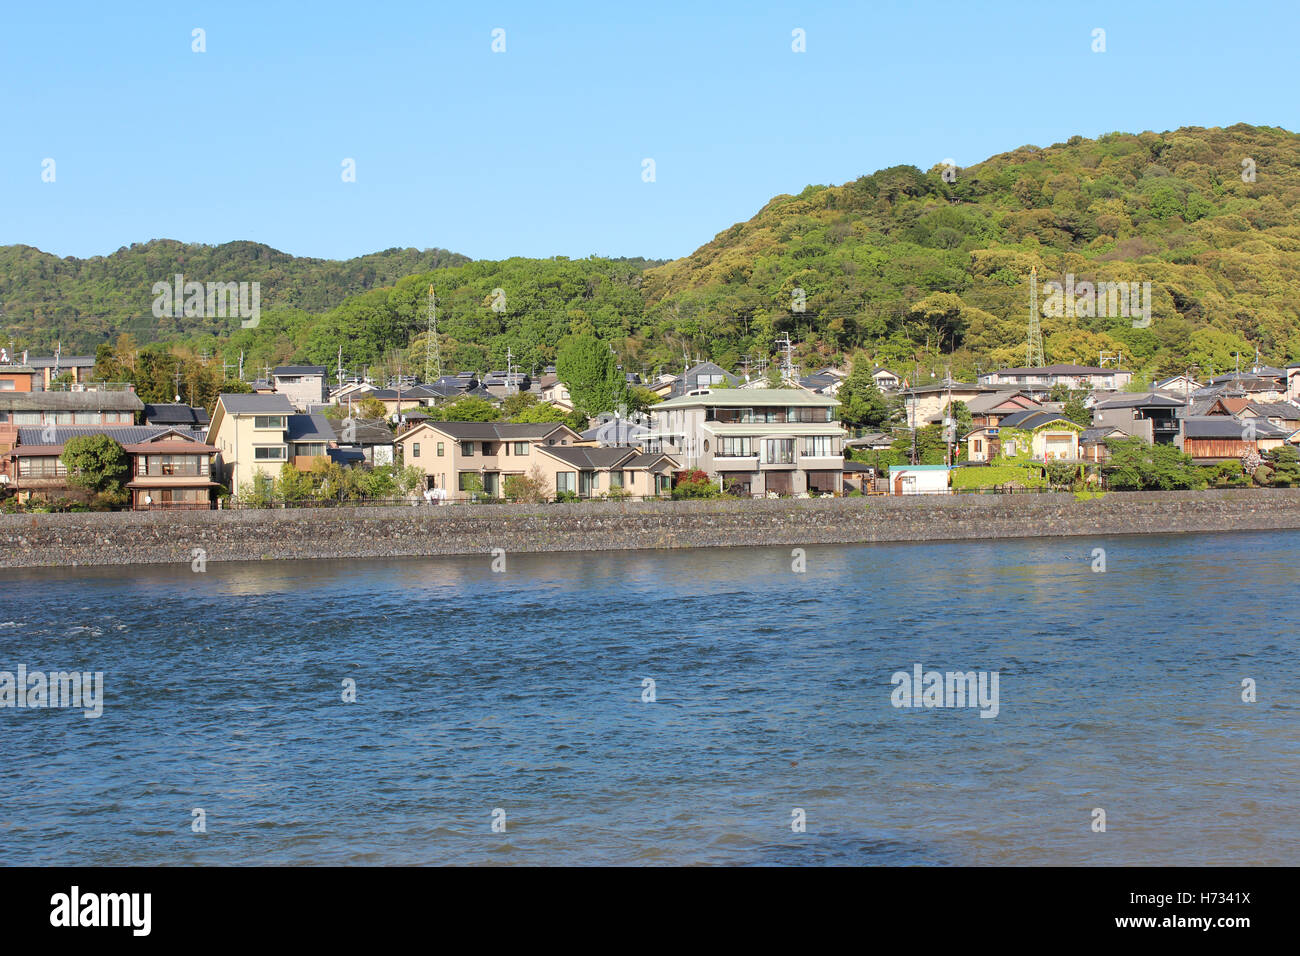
x=498 y=431
x=1097 y=434
x=1032 y=418
x=589 y=457
x=65 y=361
x=362 y=432
x=1145 y=400
x=122 y=434
x=298 y=370
x=1062 y=369
x=90 y=400
x=244 y=404
x=1215 y=426
x=174 y=415
x=648 y=459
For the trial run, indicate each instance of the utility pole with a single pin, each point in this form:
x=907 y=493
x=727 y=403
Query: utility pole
x=339 y=372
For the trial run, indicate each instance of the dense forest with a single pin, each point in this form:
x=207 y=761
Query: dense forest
x=904 y=267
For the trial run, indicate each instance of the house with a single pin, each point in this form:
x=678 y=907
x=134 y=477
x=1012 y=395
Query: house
x=871 y=441
x=16 y=376
x=169 y=468
x=821 y=384
x=1043 y=435
x=703 y=375
x=180 y=416
x=1210 y=439
x=991 y=407
x=303 y=385
x=459 y=457
x=592 y=472
x=1293 y=382
x=78 y=368
x=617 y=431
x=1151 y=416
x=500 y=384
x=1071 y=376
x=858 y=476
x=1281 y=414
x=554 y=392
x=95 y=403
x=761 y=441
x=259 y=433
x=1092 y=442
x=1182 y=384
x=886 y=380
x=372 y=440
x=918 y=480
x=1262 y=385
x=925 y=403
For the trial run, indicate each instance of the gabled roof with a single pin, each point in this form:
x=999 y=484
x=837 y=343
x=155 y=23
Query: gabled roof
x=588 y=456
x=649 y=460
x=1283 y=410
x=992 y=401
x=1143 y=400
x=35 y=439
x=254 y=404
x=1033 y=418
x=1214 y=426
x=1100 y=433
x=492 y=431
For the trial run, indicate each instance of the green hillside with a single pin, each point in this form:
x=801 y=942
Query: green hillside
x=903 y=266
x=82 y=302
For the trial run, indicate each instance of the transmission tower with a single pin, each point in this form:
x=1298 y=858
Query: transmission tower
x=1034 y=348
x=432 y=354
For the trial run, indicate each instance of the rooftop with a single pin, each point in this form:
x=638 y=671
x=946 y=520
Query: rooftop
x=748 y=398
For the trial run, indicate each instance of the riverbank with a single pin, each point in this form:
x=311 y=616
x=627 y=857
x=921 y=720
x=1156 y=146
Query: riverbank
x=52 y=540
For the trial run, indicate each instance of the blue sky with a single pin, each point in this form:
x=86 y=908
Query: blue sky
x=538 y=151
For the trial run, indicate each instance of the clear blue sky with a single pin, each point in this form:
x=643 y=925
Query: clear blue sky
x=538 y=151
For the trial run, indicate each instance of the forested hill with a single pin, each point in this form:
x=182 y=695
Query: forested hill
x=82 y=302
x=903 y=266
x=902 y=258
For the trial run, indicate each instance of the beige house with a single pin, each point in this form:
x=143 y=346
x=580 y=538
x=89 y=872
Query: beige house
x=759 y=441
x=924 y=403
x=259 y=433
x=594 y=472
x=460 y=457
x=303 y=385
x=1043 y=435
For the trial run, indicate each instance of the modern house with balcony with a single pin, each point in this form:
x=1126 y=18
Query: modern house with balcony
x=260 y=433
x=460 y=458
x=760 y=441
x=1152 y=416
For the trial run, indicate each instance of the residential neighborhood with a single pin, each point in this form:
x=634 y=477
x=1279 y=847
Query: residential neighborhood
x=292 y=437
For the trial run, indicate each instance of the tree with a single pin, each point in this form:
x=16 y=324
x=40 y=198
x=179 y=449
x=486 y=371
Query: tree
x=467 y=409
x=1076 y=411
x=98 y=465
x=1136 y=466
x=587 y=366
x=862 y=404
x=541 y=413
x=371 y=408
x=532 y=488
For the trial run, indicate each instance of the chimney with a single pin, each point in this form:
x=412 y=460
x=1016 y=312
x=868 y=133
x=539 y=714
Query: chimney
x=24 y=356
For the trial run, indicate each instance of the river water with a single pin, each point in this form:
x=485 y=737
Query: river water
x=520 y=697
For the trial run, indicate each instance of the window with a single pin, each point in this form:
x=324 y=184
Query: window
x=468 y=480
x=1009 y=449
x=269 y=453
x=440 y=449
x=979 y=446
x=7 y=384
x=735 y=447
x=268 y=421
x=563 y=481
x=467 y=449
x=615 y=480
x=43 y=467
x=521 y=448
x=415 y=449
x=819 y=446
x=778 y=451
